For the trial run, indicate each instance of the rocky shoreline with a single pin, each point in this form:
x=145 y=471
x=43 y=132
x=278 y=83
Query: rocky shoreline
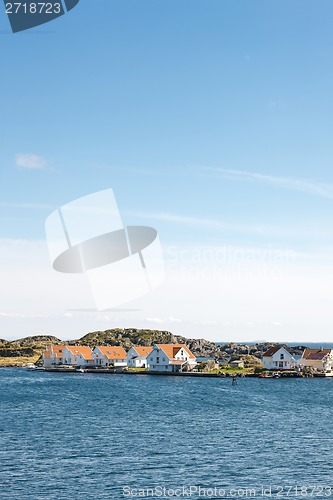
x=16 y=352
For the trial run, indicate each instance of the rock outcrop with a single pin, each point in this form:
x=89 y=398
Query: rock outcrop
x=127 y=337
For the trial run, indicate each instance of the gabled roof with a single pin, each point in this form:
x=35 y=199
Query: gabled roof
x=171 y=350
x=273 y=350
x=55 y=350
x=142 y=351
x=84 y=350
x=58 y=350
x=315 y=354
x=47 y=352
x=112 y=352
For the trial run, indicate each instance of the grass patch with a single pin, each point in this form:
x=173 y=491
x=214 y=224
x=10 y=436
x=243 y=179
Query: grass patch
x=236 y=371
x=19 y=361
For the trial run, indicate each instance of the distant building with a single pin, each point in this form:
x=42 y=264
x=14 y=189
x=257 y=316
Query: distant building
x=52 y=355
x=278 y=358
x=137 y=356
x=319 y=359
x=77 y=355
x=170 y=358
x=110 y=356
x=223 y=362
x=237 y=363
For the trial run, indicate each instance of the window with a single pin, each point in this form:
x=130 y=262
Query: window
x=282 y=356
x=157 y=359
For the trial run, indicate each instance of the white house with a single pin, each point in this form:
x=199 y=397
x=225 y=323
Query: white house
x=278 y=358
x=137 y=356
x=52 y=355
x=110 y=356
x=237 y=363
x=319 y=359
x=78 y=355
x=170 y=358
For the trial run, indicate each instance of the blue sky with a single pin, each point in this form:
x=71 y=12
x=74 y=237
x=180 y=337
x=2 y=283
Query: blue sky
x=211 y=120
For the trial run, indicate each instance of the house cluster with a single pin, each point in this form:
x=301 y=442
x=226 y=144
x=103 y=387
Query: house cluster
x=279 y=358
x=160 y=357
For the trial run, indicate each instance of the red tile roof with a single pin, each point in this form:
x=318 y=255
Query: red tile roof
x=142 y=350
x=113 y=352
x=272 y=351
x=315 y=354
x=171 y=350
x=84 y=350
x=56 y=350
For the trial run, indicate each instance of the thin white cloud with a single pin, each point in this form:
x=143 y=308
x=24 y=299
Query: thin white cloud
x=230 y=227
x=27 y=206
x=155 y=320
x=199 y=222
x=321 y=189
x=30 y=161
x=170 y=319
x=22 y=315
x=144 y=171
x=179 y=219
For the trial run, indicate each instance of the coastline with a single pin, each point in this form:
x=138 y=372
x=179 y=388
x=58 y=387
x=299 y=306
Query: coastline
x=222 y=374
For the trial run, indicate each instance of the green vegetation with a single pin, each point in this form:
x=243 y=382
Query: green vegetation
x=129 y=337
x=19 y=361
x=29 y=349
x=26 y=350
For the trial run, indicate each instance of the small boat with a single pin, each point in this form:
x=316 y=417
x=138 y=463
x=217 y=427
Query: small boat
x=265 y=375
x=31 y=366
x=328 y=373
x=269 y=375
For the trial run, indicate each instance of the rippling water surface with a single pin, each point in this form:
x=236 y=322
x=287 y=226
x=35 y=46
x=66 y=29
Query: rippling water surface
x=73 y=436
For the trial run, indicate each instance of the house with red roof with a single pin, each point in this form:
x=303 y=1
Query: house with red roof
x=278 y=358
x=137 y=356
x=77 y=355
x=110 y=356
x=52 y=355
x=171 y=358
x=319 y=359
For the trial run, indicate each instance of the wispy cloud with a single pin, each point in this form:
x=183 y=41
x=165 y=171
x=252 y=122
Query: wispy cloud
x=307 y=186
x=144 y=171
x=170 y=319
x=208 y=223
x=178 y=219
x=21 y=315
x=27 y=206
x=30 y=161
x=230 y=227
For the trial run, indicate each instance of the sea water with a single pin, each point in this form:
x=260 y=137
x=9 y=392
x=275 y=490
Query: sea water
x=74 y=436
